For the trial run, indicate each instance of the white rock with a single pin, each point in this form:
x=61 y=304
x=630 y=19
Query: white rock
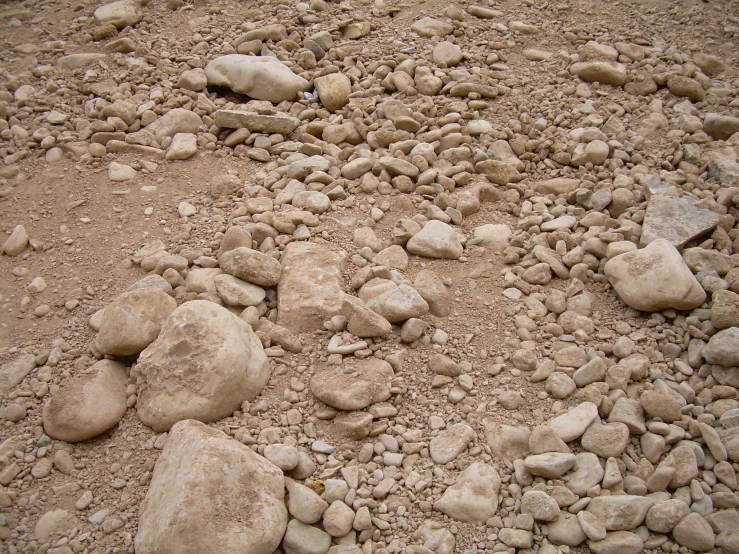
x=183 y=146
x=474 y=497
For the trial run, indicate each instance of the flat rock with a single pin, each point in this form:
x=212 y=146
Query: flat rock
x=550 y=465
x=363 y=322
x=586 y=473
x=55 y=522
x=474 y=497
x=178 y=120
x=251 y=266
x=573 y=424
x=436 y=240
x=620 y=512
x=259 y=123
x=203 y=471
x=655 y=278
x=205 y=363
x=12 y=373
x=607 y=73
x=607 y=441
x=618 y=542
x=399 y=304
x=720 y=126
x=262 y=78
x=677 y=220
x=133 y=320
x=450 y=443
x=354 y=386
x=430 y=27
x=310 y=287
x=236 y=292
x=507 y=442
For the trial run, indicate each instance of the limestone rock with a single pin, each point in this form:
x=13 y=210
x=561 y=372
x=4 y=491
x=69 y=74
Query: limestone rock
x=178 y=120
x=363 y=322
x=399 y=304
x=474 y=497
x=200 y=472
x=430 y=27
x=204 y=364
x=251 y=266
x=13 y=372
x=450 y=443
x=433 y=290
x=620 y=512
x=182 y=147
x=655 y=278
x=608 y=73
x=436 y=240
x=333 y=90
x=124 y=13
x=87 y=404
x=260 y=123
x=355 y=386
x=236 y=292
x=694 y=532
x=133 y=321
x=262 y=78
x=677 y=220
x=16 y=243
x=723 y=348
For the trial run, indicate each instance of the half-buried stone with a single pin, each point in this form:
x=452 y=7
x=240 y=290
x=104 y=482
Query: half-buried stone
x=436 y=240
x=88 y=404
x=210 y=493
x=204 y=364
x=399 y=304
x=474 y=497
x=353 y=387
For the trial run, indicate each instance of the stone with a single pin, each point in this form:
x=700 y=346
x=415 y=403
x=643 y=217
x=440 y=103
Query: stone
x=540 y=505
x=205 y=363
x=13 y=372
x=338 y=519
x=433 y=290
x=363 y=322
x=355 y=386
x=182 y=147
x=694 y=532
x=55 y=522
x=474 y=497
x=87 y=404
x=516 y=538
x=492 y=236
x=450 y=443
x=120 y=173
x=124 y=13
x=333 y=90
x=619 y=542
x=607 y=441
x=544 y=439
x=661 y=405
x=654 y=278
x=251 y=266
x=133 y=320
x=682 y=459
x=550 y=465
x=429 y=27
x=675 y=219
x=284 y=456
x=258 y=123
x=399 y=304
x=725 y=309
x=607 y=73
x=685 y=87
x=305 y=539
x=310 y=287
x=201 y=471
x=303 y=502
x=447 y=54
x=354 y=425
x=723 y=348
x=620 y=512
x=178 y=120
x=236 y=292
x=259 y=77
x=719 y=126
x=557 y=186
x=16 y=243
x=507 y=442
x=663 y=516
x=436 y=240
x=193 y=79
x=586 y=473
x=592 y=526
x=566 y=530
x=573 y=424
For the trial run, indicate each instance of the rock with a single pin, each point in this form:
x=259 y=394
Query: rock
x=682 y=459
x=719 y=126
x=620 y=542
x=723 y=348
x=540 y=505
x=447 y=54
x=124 y=13
x=182 y=147
x=516 y=538
x=305 y=539
x=573 y=424
x=310 y=287
x=193 y=79
x=557 y=186
x=259 y=123
x=607 y=73
x=260 y=77
x=12 y=373
x=434 y=292
x=338 y=519
x=507 y=442
x=661 y=405
x=399 y=304
x=685 y=87
x=620 y=512
x=303 y=503
x=251 y=266
x=436 y=240
x=200 y=467
x=550 y=465
x=586 y=473
x=363 y=322
x=133 y=321
x=710 y=65
x=284 y=456
x=430 y=27
x=313 y=201
x=88 y=403
x=694 y=532
x=119 y=173
x=55 y=522
x=474 y=497
x=654 y=278
x=662 y=517
x=236 y=292
x=204 y=364
x=492 y=236
x=677 y=220
x=17 y=241
x=592 y=526
x=725 y=309
x=544 y=439
x=333 y=90
x=450 y=443
x=355 y=386
x=178 y=120
x=607 y=441
x=566 y=530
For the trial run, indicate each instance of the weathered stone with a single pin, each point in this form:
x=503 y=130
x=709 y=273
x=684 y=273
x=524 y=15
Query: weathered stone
x=355 y=386
x=238 y=119
x=474 y=497
x=677 y=220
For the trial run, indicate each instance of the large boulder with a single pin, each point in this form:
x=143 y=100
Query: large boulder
x=262 y=78
x=655 y=278
x=310 y=289
x=133 y=321
x=204 y=364
x=210 y=493
x=88 y=403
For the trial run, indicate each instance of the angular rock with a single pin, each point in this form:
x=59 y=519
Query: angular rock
x=430 y=27
x=178 y=120
x=310 y=288
x=236 y=292
x=87 y=404
x=16 y=243
x=655 y=278
x=242 y=119
x=354 y=386
x=333 y=90
x=251 y=266
x=399 y=304
x=474 y=497
x=363 y=322
x=677 y=220
x=205 y=363
x=262 y=78
x=182 y=147
x=436 y=240
x=450 y=443
x=620 y=512
x=203 y=471
x=540 y=506
x=573 y=424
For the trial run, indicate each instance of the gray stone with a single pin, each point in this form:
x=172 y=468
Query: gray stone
x=677 y=220
x=238 y=119
x=450 y=443
x=620 y=512
x=723 y=348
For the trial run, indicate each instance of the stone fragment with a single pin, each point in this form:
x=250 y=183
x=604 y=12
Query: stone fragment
x=540 y=505
x=694 y=532
x=550 y=465
x=723 y=348
x=677 y=220
x=620 y=512
x=399 y=304
x=430 y=27
x=182 y=147
x=333 y=90
x=178 y=120
x=16 y=242
x=573 y=424
x=124 y=13
x=607 y=73
x=251 y=266
x=13 y=372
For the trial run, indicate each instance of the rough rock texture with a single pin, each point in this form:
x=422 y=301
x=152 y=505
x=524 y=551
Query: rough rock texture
x=354 y=386
x=474 y=497
x=262 y=78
